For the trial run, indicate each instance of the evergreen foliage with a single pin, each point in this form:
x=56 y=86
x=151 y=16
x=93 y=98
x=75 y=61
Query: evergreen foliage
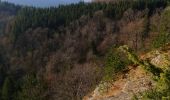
x=164 y=36
x=51 y=45
x=31 y=89
x=7 y=90
x=161 y=40
x=8 y=7
x=53 y=18
x=30 y=17
x=162 y=89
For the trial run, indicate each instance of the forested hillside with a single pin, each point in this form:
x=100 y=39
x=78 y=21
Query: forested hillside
x=62 y=53
x=7 y=11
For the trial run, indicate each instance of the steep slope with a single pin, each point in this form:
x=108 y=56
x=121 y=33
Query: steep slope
x=62 y=53
x=136 y=80
x=132 y=82
x=7 y=12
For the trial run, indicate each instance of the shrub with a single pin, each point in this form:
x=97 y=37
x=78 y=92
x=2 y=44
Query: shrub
x=115 y=63
x=7 y=90
x=164 y=36
x=162 y=89
x=165 y=20
x=31 y=89
x=161 y=40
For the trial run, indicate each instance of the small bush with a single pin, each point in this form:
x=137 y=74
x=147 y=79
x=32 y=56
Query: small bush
x=165 y=20
x=31 y=89
x=161 y=40
x=115 y=62
x=162 y=89
x=164 y=36
x=6 y=90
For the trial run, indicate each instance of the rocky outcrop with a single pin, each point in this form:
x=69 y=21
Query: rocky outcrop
x=135 y=81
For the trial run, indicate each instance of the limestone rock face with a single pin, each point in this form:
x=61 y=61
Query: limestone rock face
x=134 y=81
x=162 y=60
